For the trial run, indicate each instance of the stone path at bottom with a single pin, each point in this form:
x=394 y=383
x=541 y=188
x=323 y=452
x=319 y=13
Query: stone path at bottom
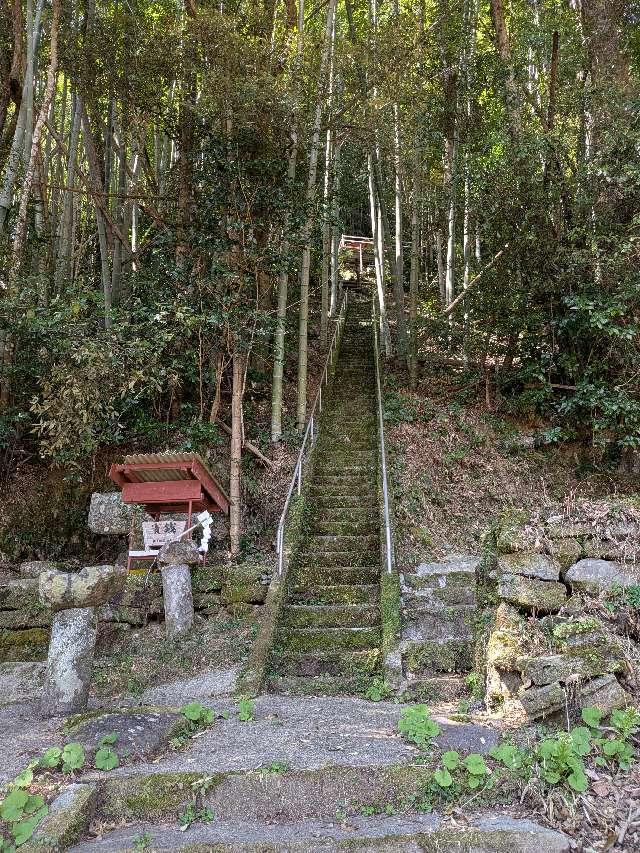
x=303 y=775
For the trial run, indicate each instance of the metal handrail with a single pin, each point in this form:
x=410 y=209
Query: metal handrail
x=383 y=451
x=296 y=480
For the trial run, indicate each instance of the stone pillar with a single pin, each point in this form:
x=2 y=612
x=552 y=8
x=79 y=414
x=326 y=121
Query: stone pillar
x=70 y=660
x=178 y=599
x=74 y=597
x=175 y=560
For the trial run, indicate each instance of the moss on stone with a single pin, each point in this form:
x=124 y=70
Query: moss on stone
x=207 y=579
x=127 y=798
x=24 y=645
x=390 y=607
x=69 y=818
x=433 y=656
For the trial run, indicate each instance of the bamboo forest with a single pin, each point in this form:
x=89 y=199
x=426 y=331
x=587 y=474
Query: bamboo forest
x=320 y=425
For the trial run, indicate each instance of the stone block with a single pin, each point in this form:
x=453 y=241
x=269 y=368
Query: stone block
x=28 y=645
x=559 y=527
x=68 y=819
x=604 y=693
x=207 y=603
x=587 y=640
x=142 y=733
x=109 y=515
x=18 y=619
x=245 y=583
x=178 y=598
x=135 y=616
x=531 y=593
x=596 y=576
x=69 y=662
x=530 y=565
x=513 y=538
x=549 y=668
x=90 y=587
x=429 y=656
x=34 y=568
x=566 y=552
x=449 y=622
x=181 y=553
x=21 y=681
x=542 y=701
x=208 y=578
x=20 y=594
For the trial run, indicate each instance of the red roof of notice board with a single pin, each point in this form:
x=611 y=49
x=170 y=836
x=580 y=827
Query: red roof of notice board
x=166 y=482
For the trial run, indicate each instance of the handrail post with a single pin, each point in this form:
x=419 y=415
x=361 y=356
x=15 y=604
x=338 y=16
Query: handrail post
x=383 y=450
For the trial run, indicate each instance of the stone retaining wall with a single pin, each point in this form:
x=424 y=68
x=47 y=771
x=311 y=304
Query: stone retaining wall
x=551 y=644
x=25 y=623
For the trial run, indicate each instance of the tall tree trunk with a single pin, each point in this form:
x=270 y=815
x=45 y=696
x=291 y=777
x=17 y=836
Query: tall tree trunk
x=20 y=136
x=414 y=277
x=21 y=225
x=283 y=278
x=378 y=261
x=235 y=479
x=310 y=199
x=503 y=47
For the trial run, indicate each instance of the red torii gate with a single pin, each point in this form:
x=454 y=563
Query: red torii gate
x=352 y=243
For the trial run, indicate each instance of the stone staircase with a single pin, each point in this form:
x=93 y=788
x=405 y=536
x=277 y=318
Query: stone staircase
x=439 y=608
x=329 y=637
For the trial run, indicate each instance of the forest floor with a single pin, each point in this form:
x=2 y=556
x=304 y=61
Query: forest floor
x=458 y=467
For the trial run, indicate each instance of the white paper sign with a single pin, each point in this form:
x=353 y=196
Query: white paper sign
x=158 y=533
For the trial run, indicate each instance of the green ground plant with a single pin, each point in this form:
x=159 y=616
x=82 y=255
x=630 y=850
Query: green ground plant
x=195 y=718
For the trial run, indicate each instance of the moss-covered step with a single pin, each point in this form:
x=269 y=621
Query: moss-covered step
x=432 y=656
x=341 y=593
x=406 y=832
x=331 y=616
x=456 y=621
x=24 y=645
x=319 y=685
x=342 y=543
x=320 y=575
x=358 y=513
x=347 y=527
x=327 y=639
x=343 y=662
x=338 y=504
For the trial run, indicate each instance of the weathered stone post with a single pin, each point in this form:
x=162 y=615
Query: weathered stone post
x=74 y=597
x=175 y=560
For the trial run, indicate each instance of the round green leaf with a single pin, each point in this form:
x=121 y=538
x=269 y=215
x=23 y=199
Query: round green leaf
x=12 y=807
x=443 y=778
x=451 y=759
x=475 y=764
x=106 y=758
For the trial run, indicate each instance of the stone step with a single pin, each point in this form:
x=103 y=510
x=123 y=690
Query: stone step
x=348 y=527
x=322 y=568
x=340 y=499
x=333 y=663
x=406 y=833
x=327 y=639
x=428 y=657
x=436 y=688
x=448 y=622
x=332 y=575
x=343 y=543
x=344 y=485
x=326 y=510
x=340 y=593
x=318 y=685
x=335 y=505
x=331 y=616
